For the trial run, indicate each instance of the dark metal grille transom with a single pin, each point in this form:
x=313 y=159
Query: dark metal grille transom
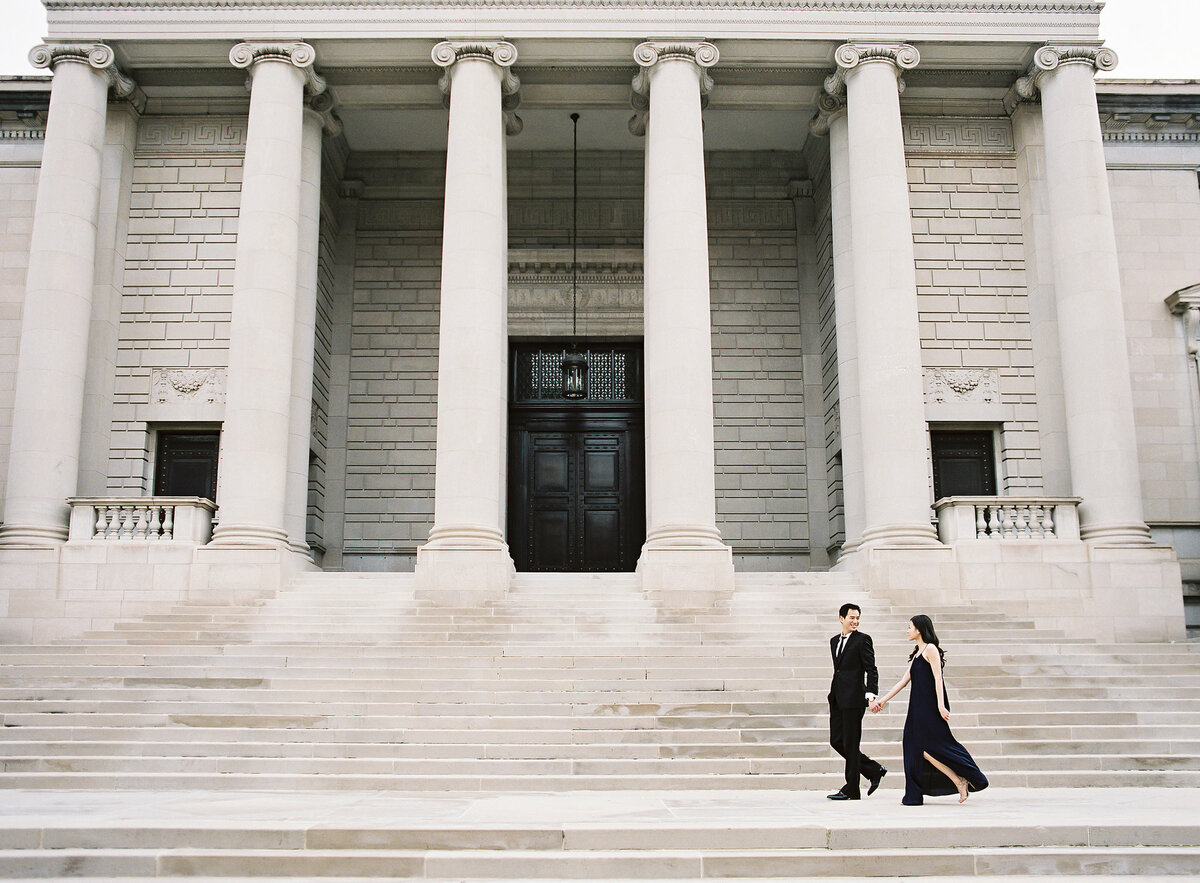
x=613 y=373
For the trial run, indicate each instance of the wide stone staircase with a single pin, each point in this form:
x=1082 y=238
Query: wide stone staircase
x=573 y=688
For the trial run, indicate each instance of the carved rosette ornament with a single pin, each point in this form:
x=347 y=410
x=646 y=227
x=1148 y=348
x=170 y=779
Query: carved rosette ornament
x=95 y=55
x=500 y=53
x=703 y=54
x=1053 y=56
x=246 y=55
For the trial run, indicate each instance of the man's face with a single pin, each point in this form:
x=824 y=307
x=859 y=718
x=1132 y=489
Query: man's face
x=850 y=621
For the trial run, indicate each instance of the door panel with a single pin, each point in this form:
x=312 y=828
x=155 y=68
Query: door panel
x=576 y=500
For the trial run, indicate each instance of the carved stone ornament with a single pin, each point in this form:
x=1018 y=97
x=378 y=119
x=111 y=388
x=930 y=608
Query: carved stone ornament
x=187 y=386
x=246 y=55
x=323 y=105
x=500 y=53
x=703 y=54
x=1053 y=56
x=1185 y=303
x=962 y=385
x=96 y=55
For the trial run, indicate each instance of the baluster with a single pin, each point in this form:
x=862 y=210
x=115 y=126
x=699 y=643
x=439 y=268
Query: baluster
x=126 y=523
x=141 y=523
x=981 y=522
x=113 y=529
x=155 y=521
x=1048 y=524
x=101 y=522
x=1021 y=523
x=1006 y=522
x=1037 y=514
x=168 y=528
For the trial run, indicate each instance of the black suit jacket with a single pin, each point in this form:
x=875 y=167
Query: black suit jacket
x=854 y=674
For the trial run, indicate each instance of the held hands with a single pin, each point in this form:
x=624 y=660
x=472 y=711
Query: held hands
x=877 y=706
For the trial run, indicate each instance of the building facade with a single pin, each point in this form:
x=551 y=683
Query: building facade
x=891 y=288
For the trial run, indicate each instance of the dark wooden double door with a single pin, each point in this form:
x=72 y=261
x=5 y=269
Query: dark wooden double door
x=577 y=495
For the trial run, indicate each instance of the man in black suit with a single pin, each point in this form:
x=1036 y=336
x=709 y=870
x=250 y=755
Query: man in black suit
x=855 y=685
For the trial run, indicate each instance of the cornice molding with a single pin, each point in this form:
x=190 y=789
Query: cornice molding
x=502 y=54
x=96 y=55
x=301 y=55
x=648 y=54
x=919 y=6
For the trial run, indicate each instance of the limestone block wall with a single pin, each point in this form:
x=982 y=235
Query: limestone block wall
x=761 y=501
x=20 y=159
x=178 y=279
x=1157 y=216
x=974 y=312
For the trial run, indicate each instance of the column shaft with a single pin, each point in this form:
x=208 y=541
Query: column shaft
x=891 y=397
x=466 y=556
x=43 y=466
x=1101 y=437
x=682 y=540
x=300 y=418
x=845 y=331
x=254 y=438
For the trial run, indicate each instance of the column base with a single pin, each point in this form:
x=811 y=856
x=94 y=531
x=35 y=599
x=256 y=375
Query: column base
x=248 y=536
x=1133 y=533
x=32 y=536
x=686 y=567
x=893 y=535
x=463 y=567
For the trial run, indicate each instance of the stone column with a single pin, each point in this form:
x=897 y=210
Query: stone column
x=888 y=337
x=43 y=466
x=255 y=434
x=1101 y=439
x=831 y=120
x=466 y=558
x=317 y=119
x=683 y=550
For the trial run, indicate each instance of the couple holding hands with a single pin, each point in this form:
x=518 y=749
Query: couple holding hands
x=935 y=764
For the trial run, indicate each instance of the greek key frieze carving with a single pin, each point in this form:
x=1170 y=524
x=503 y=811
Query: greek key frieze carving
x=191 y=135
x=965 y=135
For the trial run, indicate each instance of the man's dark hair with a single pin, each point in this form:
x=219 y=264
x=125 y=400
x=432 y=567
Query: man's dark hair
x=846 y=608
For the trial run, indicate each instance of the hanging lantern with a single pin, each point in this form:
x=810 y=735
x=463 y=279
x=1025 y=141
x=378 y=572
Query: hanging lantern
x=574 y=363
x=574 y=374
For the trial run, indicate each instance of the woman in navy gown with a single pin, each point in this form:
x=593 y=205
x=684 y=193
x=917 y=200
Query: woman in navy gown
x=934 y=762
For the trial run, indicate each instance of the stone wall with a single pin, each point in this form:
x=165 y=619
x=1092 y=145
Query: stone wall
x=20 y=158
x=761 y=503
x=178 y=284
x=974 y=313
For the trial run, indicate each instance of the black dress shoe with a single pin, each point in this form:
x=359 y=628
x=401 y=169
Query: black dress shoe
x=840 y=795
x=875 y=782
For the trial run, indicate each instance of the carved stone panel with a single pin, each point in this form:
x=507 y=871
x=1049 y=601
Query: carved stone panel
x=186 y=395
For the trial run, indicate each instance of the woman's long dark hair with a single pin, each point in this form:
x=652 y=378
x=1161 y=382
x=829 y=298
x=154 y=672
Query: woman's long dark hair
x=924 y=625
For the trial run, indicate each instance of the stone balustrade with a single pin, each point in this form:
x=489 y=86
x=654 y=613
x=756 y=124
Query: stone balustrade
x=141 y=519
x=963 y=519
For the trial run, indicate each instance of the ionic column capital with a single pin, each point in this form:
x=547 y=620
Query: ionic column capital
x=301 y=55
x=502 y=54
x=95 y=55
x=849 y=56
x=1053 y=56
x=323 y=105
x=648 y=55
x=829 y=107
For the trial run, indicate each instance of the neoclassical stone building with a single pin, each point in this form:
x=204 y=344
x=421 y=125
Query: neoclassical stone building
x=888 y=287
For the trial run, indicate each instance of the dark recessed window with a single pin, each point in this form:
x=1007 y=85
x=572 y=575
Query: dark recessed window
x=964 y=463
x=186 y=465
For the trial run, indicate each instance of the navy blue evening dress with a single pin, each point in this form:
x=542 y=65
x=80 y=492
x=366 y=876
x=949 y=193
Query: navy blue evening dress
x=926 y=731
